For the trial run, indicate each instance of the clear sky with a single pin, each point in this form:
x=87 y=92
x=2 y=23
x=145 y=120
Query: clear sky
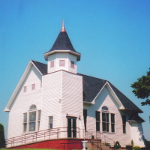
x=113 y=37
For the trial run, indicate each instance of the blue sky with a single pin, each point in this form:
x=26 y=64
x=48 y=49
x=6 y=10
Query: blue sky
x=112 y=37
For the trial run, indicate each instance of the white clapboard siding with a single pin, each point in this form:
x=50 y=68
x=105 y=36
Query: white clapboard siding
x=72 y=98
x=51 y=95
x=61 y=95
x=23 y=101
x=105 y=99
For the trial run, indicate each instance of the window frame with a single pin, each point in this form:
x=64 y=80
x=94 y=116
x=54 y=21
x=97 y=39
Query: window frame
x=85 y=118
x=72 y=64
x=124 y=124
x=112 y=123
x=61 y=63
x=25 y=122
x=50 y=122
x=52 y=63
x=33 y=86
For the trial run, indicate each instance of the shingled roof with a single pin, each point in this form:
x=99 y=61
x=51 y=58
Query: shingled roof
x=92 y=86
x=62 y=43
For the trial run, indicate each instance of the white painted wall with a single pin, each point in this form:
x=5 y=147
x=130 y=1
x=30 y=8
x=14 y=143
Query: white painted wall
x=105 y=99
x=72 y=98
x=62 y=56
x=137 y=134
x=23 y=101
x=61 y=95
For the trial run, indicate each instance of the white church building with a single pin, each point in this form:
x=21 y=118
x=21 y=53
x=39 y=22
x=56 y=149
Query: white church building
x=53 y=101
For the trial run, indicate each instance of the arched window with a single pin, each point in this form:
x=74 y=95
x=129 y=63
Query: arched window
x=104 y=108
x=32 y=118
x=33 y=107
x=105 y=119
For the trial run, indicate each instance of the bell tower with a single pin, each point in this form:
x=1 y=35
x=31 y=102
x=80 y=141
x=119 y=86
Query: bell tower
x=62 y=55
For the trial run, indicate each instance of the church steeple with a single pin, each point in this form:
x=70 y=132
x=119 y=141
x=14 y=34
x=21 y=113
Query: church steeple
x=61 y=50
x=63 y=27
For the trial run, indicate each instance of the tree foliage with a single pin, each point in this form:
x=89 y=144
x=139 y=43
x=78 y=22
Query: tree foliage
x=2 y=138
x=141 y=88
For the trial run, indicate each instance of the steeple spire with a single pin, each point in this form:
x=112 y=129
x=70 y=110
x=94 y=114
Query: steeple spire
x=63 y=27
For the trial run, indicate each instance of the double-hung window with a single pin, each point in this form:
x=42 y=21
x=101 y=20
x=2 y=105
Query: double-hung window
x=124 y=123
x=97 y=120
x=112 y=122
x=25 y=122
x=39 y=118
x=50 y=122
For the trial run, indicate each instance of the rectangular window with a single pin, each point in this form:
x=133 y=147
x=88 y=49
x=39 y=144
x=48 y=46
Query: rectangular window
x=97 y=121
x=32 y=121
x=61 y=63
x=72 y=64
x=33 y=86
x=25 y=89
x=25 y=122
x=85 y=117
x=52 y=64
x=112 y=122
x=124 y=123
x=105 y=122
x=50 y=122
x=39 y=118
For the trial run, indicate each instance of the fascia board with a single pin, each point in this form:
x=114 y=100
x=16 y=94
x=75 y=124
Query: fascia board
x=93 y=102
x=115 y=97
x=11 y=100
x=113 y=94
x=36 y=68
x=62 y=51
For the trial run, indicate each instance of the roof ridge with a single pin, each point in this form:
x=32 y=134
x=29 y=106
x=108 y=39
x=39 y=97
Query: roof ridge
x=92 y=77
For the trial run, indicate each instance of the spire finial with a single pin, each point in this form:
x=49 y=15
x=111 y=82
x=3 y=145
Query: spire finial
x=63 y=27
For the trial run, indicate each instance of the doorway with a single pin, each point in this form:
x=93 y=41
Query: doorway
x=71 y=129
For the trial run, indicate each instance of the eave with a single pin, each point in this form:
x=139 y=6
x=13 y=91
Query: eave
x=62 y=51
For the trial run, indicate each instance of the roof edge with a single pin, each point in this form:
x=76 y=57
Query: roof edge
x=62 y=51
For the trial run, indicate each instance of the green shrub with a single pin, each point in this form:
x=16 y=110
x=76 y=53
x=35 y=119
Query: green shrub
x=128 y=147
x=2 y=138
x=132 y=143
x=117 y=145
x=136 y=148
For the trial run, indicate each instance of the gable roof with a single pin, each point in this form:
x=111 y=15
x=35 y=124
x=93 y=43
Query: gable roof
x=91 y=87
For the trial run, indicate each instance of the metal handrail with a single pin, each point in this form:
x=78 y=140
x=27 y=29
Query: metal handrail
x=35 y=136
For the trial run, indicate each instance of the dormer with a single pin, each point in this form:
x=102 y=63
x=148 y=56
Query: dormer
x=62 y=55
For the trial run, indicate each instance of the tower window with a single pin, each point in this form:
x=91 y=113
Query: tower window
x=52 y=64
x=61 y=63
x=72 y=64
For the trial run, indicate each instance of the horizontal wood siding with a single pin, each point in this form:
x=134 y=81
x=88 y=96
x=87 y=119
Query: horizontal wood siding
x=23 y=101
x=72 y=98
x=51 y=96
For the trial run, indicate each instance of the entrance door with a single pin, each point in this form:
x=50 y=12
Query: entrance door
x=71 y=127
